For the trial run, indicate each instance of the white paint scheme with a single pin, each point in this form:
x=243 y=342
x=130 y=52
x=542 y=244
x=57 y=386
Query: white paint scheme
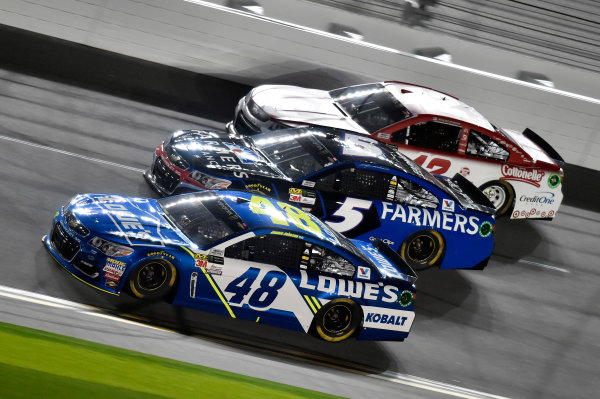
x=288 y=298
x=205 y=38
x=410 y=316
x=481 y=172
x=420 y=100
x=298 y=104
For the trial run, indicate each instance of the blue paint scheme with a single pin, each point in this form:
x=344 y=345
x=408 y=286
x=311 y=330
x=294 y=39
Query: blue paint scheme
x=458 y=225
x=141 y=225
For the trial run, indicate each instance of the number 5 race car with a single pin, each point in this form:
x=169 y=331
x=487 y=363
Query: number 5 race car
x=359 y=186
x=519 y=172
x=240 y=255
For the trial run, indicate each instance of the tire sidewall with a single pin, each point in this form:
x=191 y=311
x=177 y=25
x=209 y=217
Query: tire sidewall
x=353 y=326
x=433 y=259
x=160 y=292
x=509 y=193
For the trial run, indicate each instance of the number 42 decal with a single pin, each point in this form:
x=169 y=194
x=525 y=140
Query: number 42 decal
x=435 y=165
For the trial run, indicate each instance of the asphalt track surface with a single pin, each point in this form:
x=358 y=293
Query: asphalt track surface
x=527 y=326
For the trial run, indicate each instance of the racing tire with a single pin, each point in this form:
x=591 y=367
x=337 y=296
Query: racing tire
x=423 y=249
x=338 y=320
x=153 y=279
x=500 y=194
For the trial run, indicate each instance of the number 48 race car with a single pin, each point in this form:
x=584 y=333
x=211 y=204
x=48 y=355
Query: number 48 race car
x=240 y=255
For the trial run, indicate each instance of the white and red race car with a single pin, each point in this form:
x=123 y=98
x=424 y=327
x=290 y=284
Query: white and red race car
x=518 y=171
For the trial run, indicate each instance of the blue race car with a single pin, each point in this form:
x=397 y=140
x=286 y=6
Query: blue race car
x=362 y=188
x=237 y=254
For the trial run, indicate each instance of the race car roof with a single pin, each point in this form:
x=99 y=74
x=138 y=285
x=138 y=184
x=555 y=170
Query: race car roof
x=422 y=100
x=259 y=212
x=342 y=146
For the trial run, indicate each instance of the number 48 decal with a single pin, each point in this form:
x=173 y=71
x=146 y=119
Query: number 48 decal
x=260 y=297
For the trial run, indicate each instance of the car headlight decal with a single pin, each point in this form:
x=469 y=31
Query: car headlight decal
x=174 y=157
x=109 y=248
x=209 y=182
x=74 y=224
x=257 y=111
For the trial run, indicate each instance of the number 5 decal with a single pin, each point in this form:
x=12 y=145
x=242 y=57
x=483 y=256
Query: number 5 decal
x=348 y=211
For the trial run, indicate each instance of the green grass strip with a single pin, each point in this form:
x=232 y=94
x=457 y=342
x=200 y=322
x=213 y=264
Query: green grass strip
x=36 y=363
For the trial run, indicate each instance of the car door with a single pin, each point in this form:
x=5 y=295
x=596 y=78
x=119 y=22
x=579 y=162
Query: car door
x=256 y=284
x=348 y=194
x=433 y=145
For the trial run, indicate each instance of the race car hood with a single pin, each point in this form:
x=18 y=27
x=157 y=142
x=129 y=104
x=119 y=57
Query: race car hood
x=221 y=154
x=125 y=220
x=302 y=106
x=389 y=263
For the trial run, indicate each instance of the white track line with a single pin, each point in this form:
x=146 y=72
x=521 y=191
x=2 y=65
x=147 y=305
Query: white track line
x=397 y=378
x=386 y=49
x=46 y=300
x=545 y=266
x=71 y=154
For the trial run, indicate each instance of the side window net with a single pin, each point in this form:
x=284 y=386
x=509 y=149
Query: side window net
x=437 y=136
x=269 y=249
x=355 y=182
x=483 y=146
x=290 y=252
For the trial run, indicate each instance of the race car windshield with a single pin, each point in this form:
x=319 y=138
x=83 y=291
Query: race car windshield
x=412 y=167
x=203 y=217
x=370 y=105
x=296 y=153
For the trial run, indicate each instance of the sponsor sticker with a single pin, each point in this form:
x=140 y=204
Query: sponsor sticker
x=308 y=183
x=216 y=252
x=384 y=136
x=258 y=187
x=302 y=196
x=364 y=273
x=465 y=171
x=386 y=241
x=540 y=199
x=554 y=180
x=214 y=269
x=531 y=176
x=114 y=269
x=208 y=258
x=406 y=298
x=485 y=229
x=161 y=253
x=245 y=155
x=448 y=205
x=387 y=319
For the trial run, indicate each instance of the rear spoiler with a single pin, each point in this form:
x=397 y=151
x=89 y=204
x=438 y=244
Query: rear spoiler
x=471 y=190
x=543 y=144
x=398 y=262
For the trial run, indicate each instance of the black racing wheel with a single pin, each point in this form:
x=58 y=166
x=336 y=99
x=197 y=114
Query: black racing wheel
x=422 y=249
x=152 y=279
x=338 y=320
